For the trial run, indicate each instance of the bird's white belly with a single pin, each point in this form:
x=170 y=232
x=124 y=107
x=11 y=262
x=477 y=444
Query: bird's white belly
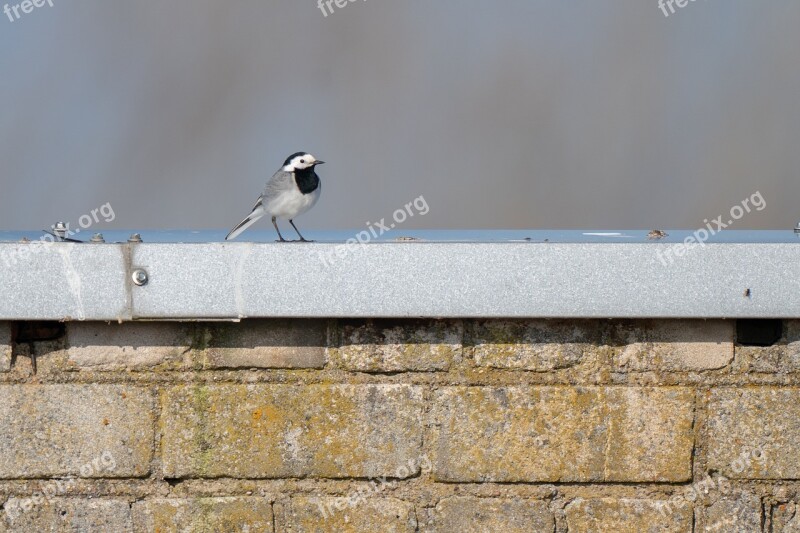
x=292 y=203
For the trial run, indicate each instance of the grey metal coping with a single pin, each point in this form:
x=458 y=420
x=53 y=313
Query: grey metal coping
x=558 y=274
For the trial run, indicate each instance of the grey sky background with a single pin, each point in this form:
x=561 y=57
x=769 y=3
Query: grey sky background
x=511 y=114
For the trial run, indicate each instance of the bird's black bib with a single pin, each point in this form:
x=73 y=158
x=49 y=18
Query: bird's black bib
x=306 y=179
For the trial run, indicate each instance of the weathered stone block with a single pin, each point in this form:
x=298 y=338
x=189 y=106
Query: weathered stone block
x=576 y=434
x=784 y=356
x=133 y=345
x=608 y=514
x=753 y=432
x=5 y=347
x=738 y=511
x=65 y=515
x=270 y=431
x=651 y=435
x=273 y=343
x=75 y=430
x=674 y=345
x=539 y=345
x=468 y=514
x=395 y=346
x=350 y=515
x=203 y=514
x=786 y=518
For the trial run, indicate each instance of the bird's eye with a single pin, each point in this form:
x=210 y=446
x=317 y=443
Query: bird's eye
x=303 y=161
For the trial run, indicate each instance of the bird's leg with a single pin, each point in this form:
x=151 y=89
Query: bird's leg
x=302 y=239
x=279 y=231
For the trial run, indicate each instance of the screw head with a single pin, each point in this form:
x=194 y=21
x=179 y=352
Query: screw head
x=60 y=229
x=139 y=277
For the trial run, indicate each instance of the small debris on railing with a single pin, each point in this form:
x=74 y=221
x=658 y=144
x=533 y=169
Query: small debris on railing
x=657 y=234
x=60 y=231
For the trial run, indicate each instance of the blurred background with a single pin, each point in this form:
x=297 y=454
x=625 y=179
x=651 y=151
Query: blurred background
x=513 y=114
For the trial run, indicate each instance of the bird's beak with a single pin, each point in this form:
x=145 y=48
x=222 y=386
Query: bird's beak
x=318 y=162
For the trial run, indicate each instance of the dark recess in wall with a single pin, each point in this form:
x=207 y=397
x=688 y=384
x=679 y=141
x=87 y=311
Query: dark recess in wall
x=750 y=332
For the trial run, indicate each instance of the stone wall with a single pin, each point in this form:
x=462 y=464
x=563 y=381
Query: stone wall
x=389 y=425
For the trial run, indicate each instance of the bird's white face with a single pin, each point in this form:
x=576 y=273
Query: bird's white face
x=302 y=162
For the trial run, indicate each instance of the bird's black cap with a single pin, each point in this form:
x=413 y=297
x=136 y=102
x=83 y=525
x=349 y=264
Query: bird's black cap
x=289 y=159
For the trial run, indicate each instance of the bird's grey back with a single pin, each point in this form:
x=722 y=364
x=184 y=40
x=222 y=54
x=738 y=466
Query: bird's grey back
x=279 y=183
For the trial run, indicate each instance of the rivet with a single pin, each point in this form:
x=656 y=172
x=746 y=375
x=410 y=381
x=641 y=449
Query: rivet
x=135 y=238
x=98 y=238
x=139 y=277
x=60 y=229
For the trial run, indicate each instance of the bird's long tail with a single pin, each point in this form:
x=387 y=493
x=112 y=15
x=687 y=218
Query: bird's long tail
x=258 y=212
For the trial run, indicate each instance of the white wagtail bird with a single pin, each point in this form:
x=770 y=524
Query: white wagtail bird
x=291 y=191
